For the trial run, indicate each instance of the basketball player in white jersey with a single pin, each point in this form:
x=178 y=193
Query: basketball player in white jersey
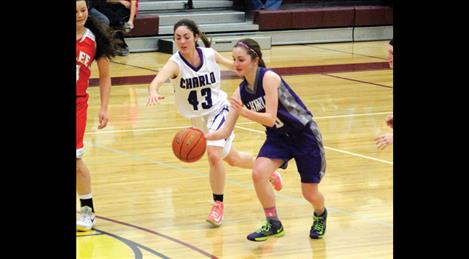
x=195 y=75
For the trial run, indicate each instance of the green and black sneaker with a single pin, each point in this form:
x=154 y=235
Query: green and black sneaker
x=319 y=225
x=269 y=229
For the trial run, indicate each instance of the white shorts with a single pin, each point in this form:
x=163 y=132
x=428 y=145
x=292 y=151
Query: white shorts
x=213 y=122
x=80 y=152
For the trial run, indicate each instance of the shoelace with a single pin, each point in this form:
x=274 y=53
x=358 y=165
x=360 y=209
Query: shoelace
x=86 y=216
x=264 y=228
x=215 y=209
x=318 y=224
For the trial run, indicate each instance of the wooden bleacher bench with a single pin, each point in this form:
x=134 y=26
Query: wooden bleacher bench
x=323 y=17
x=145 y=25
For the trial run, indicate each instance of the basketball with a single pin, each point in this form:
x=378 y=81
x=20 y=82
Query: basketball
x=189 y=144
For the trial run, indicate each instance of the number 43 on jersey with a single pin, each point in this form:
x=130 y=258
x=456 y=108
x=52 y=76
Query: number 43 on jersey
x=206 y=98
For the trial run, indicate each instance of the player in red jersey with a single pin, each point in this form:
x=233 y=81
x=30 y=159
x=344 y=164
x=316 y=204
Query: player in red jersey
x=93 y=42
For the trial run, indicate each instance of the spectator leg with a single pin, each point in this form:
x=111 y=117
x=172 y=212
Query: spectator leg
x=99 y=16
x=273 y=4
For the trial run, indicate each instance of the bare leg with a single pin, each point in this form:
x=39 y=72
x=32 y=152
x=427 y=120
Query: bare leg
x=217 y=169
x=240 y=159
x=217 y=183
x=83 y=178
x=311 y=193
x=261 y=172
x=87 y=219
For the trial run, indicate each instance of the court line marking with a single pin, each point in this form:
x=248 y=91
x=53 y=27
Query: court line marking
x=346 y=52
x=284 y=71
x=178 y=167
x=239 y=123
x=259 y=131
x=128 y=243
x=132 y=244
x=326 y=147
x=135 y=66
x=358 y=81
x=304 y=44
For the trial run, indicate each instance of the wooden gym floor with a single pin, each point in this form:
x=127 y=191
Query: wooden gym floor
x=150 y=205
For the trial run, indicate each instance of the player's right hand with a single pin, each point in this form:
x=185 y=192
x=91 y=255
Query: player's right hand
x=154 y=98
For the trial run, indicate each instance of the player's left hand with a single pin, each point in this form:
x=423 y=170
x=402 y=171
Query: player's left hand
x=103 y=119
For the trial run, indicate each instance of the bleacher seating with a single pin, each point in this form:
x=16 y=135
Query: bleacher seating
x=323 y=17
x=297 y=21
x=145 y=25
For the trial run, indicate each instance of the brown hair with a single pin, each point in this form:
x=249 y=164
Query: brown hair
x=252 y=48
x=192 y=26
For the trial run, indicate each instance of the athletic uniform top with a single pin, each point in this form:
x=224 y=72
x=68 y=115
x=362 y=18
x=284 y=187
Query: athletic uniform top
x=85 y=52
x=292 y=114
x=197 y=89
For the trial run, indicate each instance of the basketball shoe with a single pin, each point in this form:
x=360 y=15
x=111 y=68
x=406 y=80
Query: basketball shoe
x=87 y=219
x=216 y=214
x=276 y=180
x=269 y=229
x=319 y=225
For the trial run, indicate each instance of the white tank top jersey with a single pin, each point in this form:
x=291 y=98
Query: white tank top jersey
x=197 y=89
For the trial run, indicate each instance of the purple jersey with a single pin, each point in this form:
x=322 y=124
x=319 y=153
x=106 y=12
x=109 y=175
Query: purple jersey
x=292 y=114
x=294 y=135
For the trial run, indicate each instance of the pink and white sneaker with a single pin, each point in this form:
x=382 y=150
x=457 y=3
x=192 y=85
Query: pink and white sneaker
x=216 y=214
x=276 y=180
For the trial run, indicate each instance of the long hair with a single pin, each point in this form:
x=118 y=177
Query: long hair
x=107 y=43
x=192 y=26
x=253 y=49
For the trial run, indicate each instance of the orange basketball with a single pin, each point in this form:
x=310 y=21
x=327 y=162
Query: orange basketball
x=189 y=144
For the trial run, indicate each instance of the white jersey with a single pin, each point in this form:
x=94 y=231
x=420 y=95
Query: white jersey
x=197 y=89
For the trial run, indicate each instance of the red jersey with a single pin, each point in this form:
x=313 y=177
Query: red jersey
x=85 y=52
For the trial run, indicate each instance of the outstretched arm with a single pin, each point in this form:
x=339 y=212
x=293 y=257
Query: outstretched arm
x=224 y=61
x=169 y=70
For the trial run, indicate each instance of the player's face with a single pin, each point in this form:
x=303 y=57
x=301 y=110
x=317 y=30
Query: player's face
x=82 y=13
x=243 y=62
x=185 y=39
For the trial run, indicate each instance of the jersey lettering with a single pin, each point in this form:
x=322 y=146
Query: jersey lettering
x=198 y=81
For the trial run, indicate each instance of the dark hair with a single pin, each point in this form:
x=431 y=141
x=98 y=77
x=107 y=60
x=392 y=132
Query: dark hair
x=107 y=43
x=252 y=48
x=192 y=26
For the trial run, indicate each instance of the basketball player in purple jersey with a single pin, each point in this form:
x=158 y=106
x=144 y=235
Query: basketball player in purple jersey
x=263 y=96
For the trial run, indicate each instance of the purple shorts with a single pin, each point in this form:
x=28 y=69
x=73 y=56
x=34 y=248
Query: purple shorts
x=304 y=147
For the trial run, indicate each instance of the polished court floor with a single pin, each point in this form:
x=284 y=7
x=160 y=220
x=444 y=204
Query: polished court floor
x=150 y=205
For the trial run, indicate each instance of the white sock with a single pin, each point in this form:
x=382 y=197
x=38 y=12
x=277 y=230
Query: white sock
x=86 y=196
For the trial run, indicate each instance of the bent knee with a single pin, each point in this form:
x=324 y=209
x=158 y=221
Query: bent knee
x=214 y=157
x=312 y=196
x=232 y=161
x=259 y=175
